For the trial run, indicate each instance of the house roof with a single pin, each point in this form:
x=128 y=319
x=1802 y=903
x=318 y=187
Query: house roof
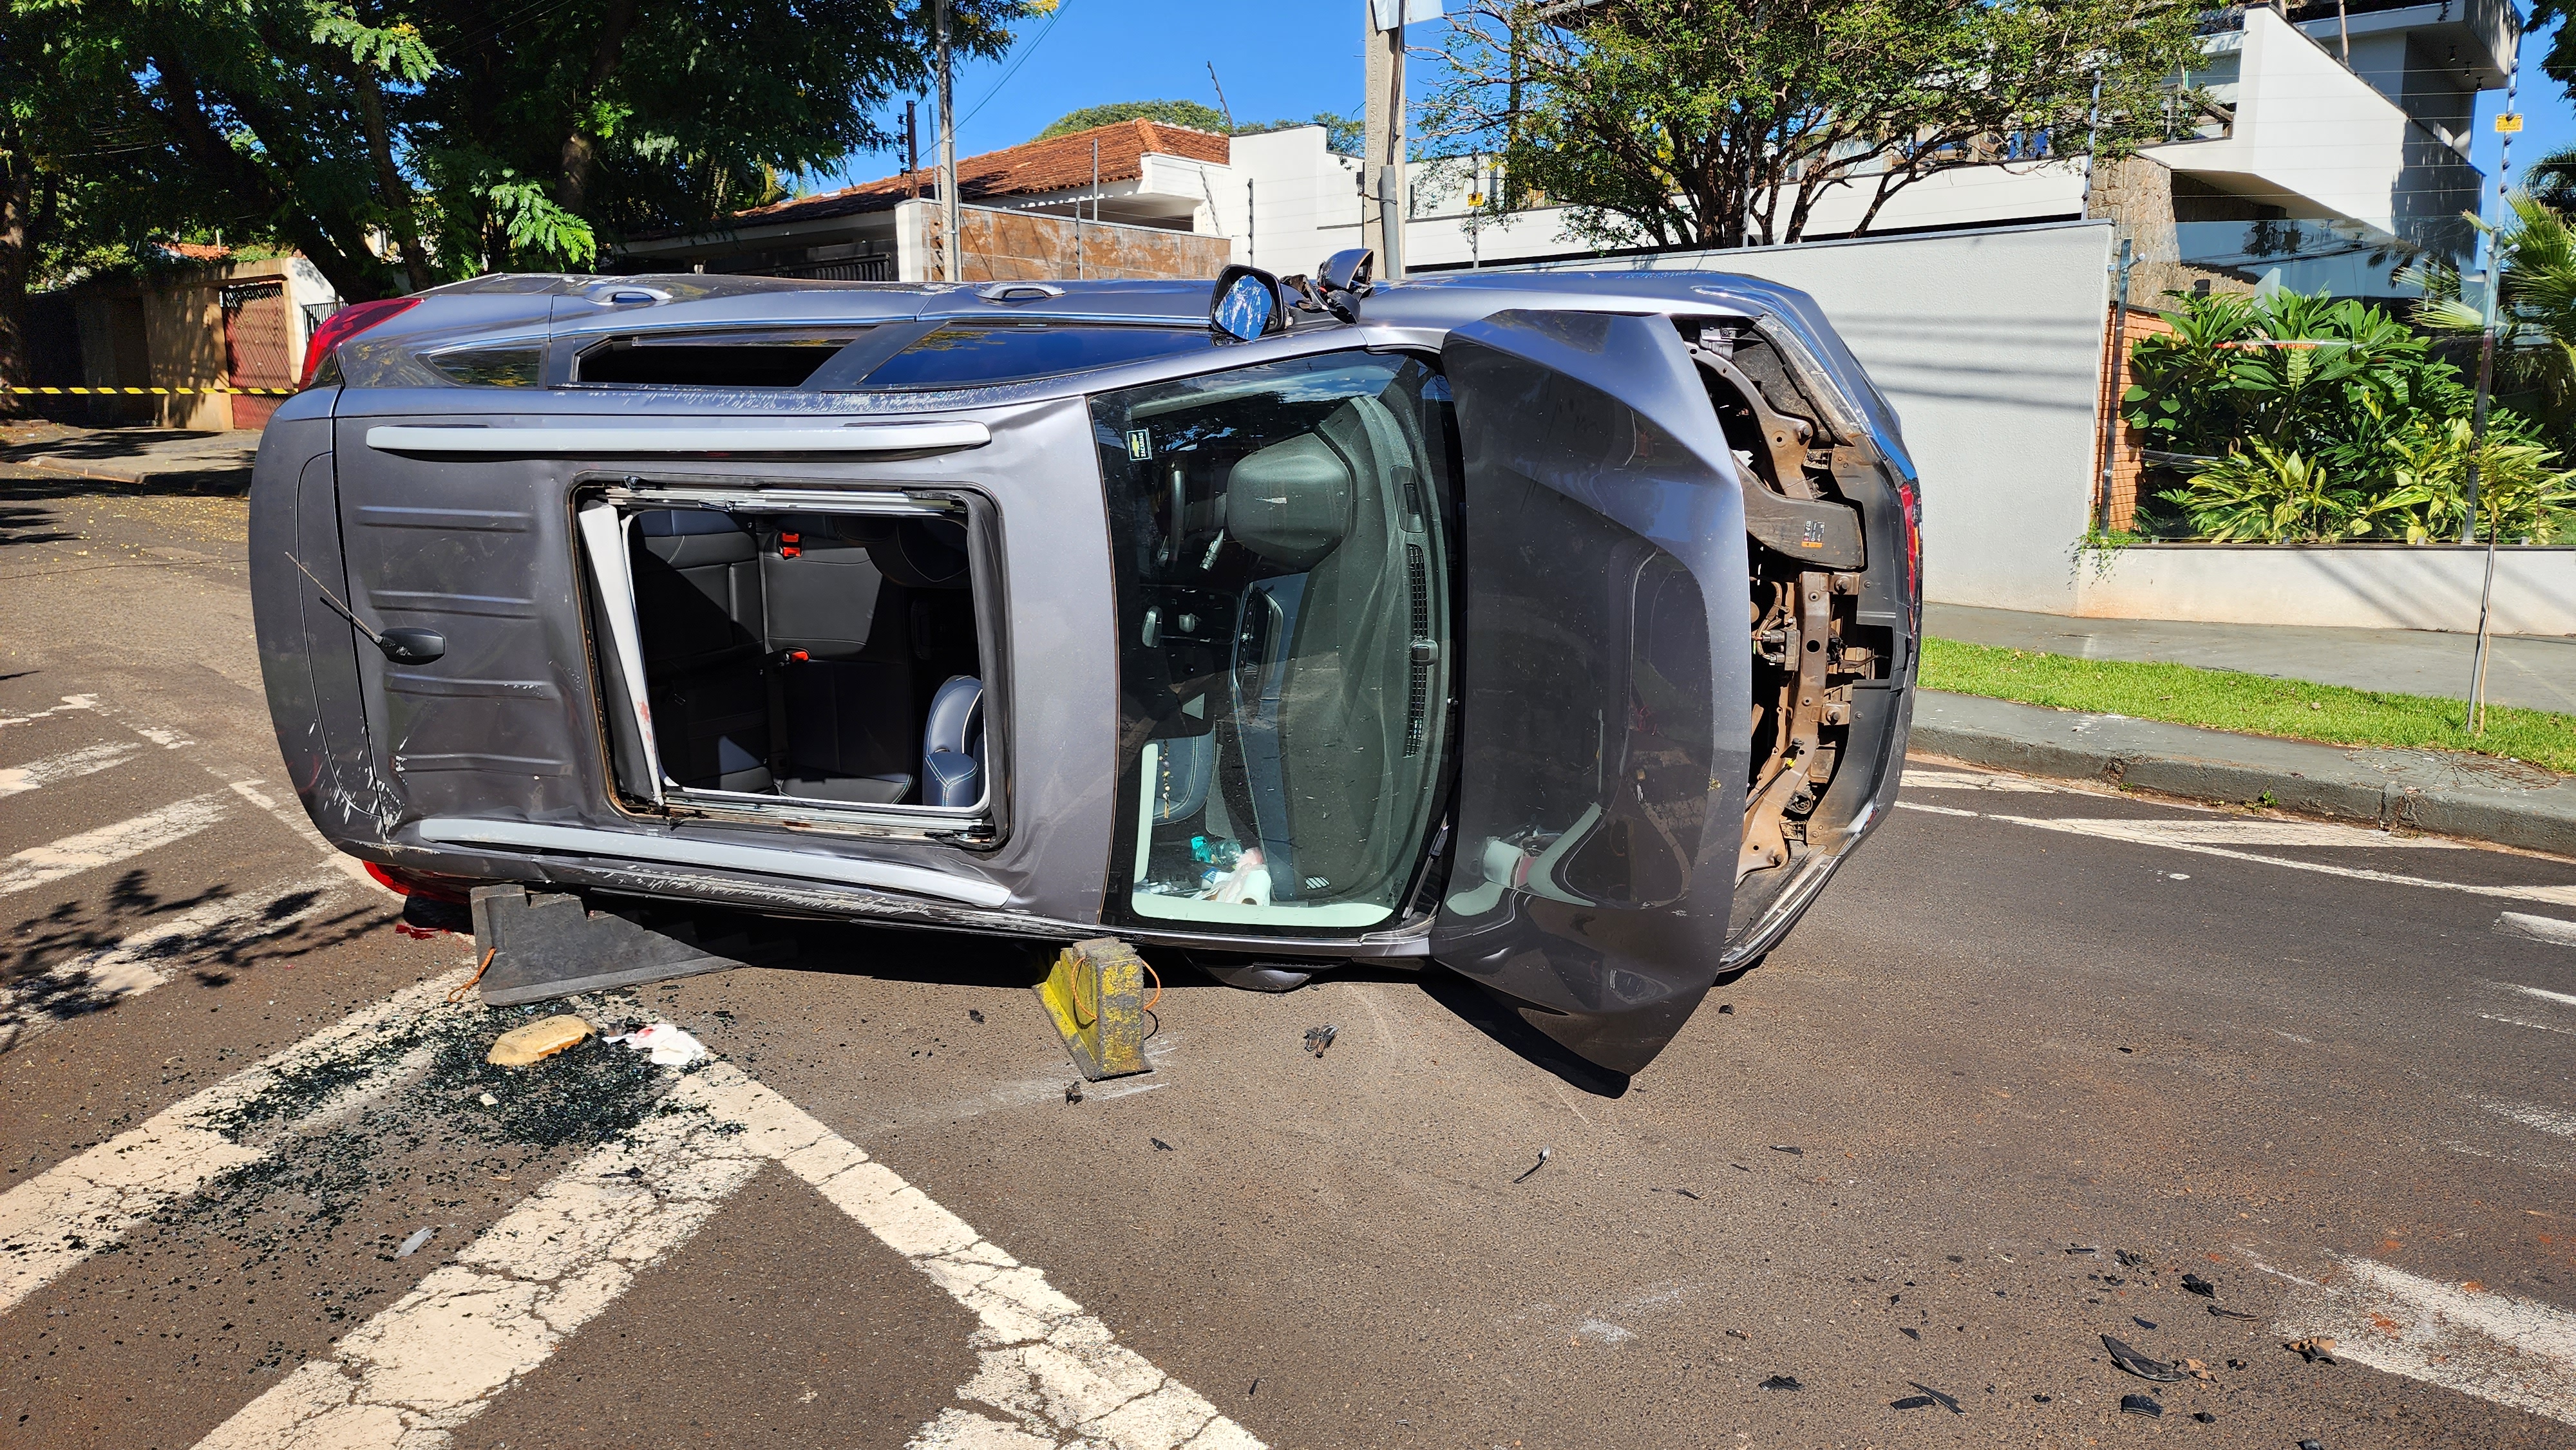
x=1058 y=163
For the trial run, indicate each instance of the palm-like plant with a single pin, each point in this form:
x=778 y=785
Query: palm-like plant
x=2268 y=496
x=2535 y=303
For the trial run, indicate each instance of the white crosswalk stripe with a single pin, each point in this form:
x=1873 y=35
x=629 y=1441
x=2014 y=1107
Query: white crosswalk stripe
x=52 y=1222
x=20 y=779
x=2539 y=928
x=141 y=962
x=2510 y=1351
x=108 y=845
x=434 y=1359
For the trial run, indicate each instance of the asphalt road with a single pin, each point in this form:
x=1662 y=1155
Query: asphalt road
x=2040 y=1054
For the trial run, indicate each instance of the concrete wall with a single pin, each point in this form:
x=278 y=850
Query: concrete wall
x=1990 y=346
x=1002 y=246
x=2393 y=586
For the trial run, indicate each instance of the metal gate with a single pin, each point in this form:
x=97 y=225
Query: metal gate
x=259 y=350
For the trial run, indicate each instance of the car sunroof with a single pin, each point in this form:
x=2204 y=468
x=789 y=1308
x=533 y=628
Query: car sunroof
x=968 y=355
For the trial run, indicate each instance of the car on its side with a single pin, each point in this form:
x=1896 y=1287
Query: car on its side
x=1557 y=628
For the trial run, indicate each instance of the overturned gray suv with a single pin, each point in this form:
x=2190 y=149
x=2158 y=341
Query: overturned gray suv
x=1557 y=629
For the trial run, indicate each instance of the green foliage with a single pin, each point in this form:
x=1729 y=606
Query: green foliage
x=2535 y=305
x=398 y=143
x=2270 y=497
x=1170 y=113
x=1718 y=122
x=2318 y=420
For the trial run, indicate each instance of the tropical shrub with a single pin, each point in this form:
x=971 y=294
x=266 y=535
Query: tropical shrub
x=2266 y=496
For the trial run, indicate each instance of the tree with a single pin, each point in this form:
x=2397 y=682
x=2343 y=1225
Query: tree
x=1723 y=122
x=2535 y=308
x=1170 y=113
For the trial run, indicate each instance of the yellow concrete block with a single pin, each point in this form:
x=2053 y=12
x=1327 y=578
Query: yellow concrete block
x=1095 y=995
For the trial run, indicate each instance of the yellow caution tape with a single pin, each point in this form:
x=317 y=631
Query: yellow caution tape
x=152 y=392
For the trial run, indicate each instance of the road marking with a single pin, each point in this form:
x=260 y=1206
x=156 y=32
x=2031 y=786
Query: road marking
x=108 y=845
x=139 y=963
x=435 y=1358
x=2244 y=832
x=1932 y=810
x=19 y=779
x=2510 y=1351
x=2532 y=1115
x=2554 y=895
x=70 y=702
x=55 y=1220
x=2540 y=928
x=1970 y=780
x=2527 y=1022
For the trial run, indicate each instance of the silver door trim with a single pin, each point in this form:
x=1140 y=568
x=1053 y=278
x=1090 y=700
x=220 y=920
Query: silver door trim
x=545 y=442
x=720 y=855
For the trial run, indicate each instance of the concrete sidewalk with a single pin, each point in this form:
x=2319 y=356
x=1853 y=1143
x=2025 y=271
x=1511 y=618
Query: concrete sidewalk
x=2441 y=792
x=2536 y=672
x=173 y=459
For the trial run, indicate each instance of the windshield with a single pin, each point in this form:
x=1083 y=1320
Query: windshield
x=1282 y=577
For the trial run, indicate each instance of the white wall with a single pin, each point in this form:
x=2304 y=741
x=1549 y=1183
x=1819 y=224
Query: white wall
x=1989 y=344
x=2377 y=587
x=2309 y=135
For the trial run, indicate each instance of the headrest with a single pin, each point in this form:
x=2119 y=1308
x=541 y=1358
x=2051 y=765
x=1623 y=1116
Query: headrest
x=922 y=553
x=1291 y=502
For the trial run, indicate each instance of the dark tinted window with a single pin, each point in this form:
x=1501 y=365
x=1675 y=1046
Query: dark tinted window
x=978 y=354
x=709 y=359
x=492 y=367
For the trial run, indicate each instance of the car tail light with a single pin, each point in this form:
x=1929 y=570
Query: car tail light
x=347 y=323
x=404 y=882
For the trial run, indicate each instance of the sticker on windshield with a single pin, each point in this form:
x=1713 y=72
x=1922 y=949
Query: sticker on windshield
x=1140 y=444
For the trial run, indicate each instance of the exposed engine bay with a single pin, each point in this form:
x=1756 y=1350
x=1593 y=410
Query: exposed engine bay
x=1808 y=575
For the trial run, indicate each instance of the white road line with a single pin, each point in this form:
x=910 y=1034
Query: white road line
x=70 y=702
x=1932 y=810
x=19 y=779
x=140 y=962
x=2540 y=928
x=2511 y=1351
x=1970 y=780
x=2554 y=895
x=2244 y=832
x=108 y=845
x=435 y=1358
x=2527 y=1022
x=52 y=1222
x=2532 y=1115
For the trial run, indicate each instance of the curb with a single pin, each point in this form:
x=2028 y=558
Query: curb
x=2445 y=793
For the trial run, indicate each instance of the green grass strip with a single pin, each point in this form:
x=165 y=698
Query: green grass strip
x=2250 y=704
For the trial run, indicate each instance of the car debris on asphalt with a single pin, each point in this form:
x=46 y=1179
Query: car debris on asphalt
x=1947 y=1402
x=1159 y=1145
x=1781 y=1382
x=2195 y=1284
x=2314 y=1351
x=2231 y=1313
x=2146 y=1405
x=1319 y=1038
x=669 y=1045
x=2140 y=1365
x=412 y=1245
x=537 y=1040
x=1543 y=1155
x=1073 y=1092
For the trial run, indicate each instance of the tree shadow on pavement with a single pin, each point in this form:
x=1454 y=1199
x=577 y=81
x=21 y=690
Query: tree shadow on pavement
x=59 y=965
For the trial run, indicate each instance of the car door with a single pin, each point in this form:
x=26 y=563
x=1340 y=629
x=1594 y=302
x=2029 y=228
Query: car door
x=1604 y=677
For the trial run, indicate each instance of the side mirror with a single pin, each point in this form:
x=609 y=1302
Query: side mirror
x=411 y=646
x=1245 y=304
x=1348 y=272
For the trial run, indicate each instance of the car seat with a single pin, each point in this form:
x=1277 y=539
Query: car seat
x=952 y=748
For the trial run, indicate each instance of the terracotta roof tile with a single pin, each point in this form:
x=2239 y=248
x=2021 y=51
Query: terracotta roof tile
x=1059 y=163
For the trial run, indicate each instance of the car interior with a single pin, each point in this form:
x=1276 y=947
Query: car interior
x=813 y=657
x=1282 y=585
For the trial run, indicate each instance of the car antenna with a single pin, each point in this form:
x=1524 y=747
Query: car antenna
x=337 y=607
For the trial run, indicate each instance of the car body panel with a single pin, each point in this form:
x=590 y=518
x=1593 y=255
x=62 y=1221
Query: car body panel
x=494 y=763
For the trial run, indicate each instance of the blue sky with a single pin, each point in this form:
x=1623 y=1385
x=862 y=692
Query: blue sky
x=1295 y=60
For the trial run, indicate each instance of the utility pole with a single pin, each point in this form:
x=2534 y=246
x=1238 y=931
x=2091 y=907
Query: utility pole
x=2506 y=124
x=911 y=149
x=1382 y=164
x=2113 y=373
x=949 y=266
